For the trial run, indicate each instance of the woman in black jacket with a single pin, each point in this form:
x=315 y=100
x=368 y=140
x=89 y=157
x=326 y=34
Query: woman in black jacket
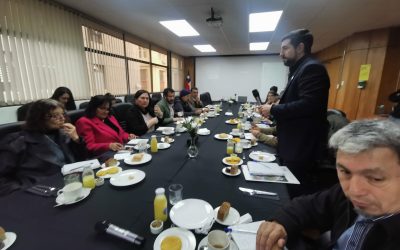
x=142 y=117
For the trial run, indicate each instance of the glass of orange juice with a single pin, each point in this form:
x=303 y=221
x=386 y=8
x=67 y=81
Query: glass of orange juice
x=229 y=147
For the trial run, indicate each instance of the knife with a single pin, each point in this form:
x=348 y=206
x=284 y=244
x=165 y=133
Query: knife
x=253 y=191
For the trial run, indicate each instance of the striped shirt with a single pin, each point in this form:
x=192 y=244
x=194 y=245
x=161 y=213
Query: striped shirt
x=353 y=237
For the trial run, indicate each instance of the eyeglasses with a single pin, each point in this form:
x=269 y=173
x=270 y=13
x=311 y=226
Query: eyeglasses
x=56 y=116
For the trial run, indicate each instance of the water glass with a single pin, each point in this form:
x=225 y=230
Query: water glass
x=175 y=193
x=239 y=148
x=142 y=146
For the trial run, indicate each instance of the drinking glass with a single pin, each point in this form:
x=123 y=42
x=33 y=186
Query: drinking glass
x=175 y=193
x=229 y=147
x=239 y=148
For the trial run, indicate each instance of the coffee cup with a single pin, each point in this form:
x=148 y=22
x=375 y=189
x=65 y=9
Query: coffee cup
x=235 y=131
x=71 y=191
x=218 y=240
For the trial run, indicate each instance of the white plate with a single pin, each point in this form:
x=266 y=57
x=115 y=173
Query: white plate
x=232 y=218
x=104 y=165
x=110 y=175
x=146 y=158
x=85 y=193
x=127 y=178
x=168 y=132
x=228 y=174
x=162 y=145
x=266 y=157
x=171 y=140
x=187 y=238
x=216 y=136
x=232 y=123
x=255 y=144
x=203 y=132
x=137 y=146
x=181 y=130
x=10 y=239
x=230 y=164
x=191 y=213
x=137 y=140
x=203 y=242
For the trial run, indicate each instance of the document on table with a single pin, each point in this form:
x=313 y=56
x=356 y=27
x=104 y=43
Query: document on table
x=245 y=240
x=287 y=176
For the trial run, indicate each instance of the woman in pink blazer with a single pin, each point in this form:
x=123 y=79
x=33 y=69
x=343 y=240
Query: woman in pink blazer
x=100 y=130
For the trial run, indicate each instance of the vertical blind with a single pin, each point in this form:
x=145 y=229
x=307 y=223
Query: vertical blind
x=41 y=49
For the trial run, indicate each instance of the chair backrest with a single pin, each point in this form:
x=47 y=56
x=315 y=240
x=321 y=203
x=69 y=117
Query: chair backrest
x=23 y=111
x=129 y=98
x=242 y=99
x=74 y=115
x=10 y=128
x=120 y=110
x=155 y=97
x=83 y=105
x=205 y=98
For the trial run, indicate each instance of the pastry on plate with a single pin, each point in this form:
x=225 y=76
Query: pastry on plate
x=111 y=162
x=223 y=210
x=137 y=157
x=233 y=160
x=223 y=136
x=106 y=171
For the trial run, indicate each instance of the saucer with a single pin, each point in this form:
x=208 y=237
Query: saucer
x=228 y=174
x=137 y=146
x=217 y=136
x=163 y=145
x=10 y=239
x=232 y=218
x=203 y=242
x=85 y=193
x=127 y=178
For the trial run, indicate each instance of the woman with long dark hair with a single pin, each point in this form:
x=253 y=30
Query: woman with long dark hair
x=65 y=97
x=142 y=117
x=101 y=130
x=44 y=145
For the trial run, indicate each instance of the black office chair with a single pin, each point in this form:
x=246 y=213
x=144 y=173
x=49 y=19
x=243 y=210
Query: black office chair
x=120 y=110
x=23 y=111
x=242 y=99
x=129 y=98
x=155 y=97
x=10 y=128
x=74 y=115
x=83 y=105
x=206 y=98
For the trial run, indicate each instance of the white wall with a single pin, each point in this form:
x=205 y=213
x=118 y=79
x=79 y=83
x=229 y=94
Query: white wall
x=224 y=77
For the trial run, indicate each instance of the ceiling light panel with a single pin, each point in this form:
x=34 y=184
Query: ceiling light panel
x=264 y=21
x=205 y=48
x=259 y=46
x=180 y=28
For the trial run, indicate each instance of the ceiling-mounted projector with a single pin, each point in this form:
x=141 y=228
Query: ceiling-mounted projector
x=213 y=20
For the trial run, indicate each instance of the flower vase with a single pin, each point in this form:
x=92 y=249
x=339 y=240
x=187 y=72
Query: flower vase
x=193 y=151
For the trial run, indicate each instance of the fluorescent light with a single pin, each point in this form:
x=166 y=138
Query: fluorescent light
x=259 y=46
x=180 y=28
x=264 y=21
x=205 y=48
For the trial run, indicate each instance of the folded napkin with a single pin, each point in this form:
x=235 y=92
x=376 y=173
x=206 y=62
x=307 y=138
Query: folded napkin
x=161 y=129
x=78 y=166
x=264 y=168
x=249 y=136
x=245 y=240
x=121 y=156
x=228 y=113
x=137 y=141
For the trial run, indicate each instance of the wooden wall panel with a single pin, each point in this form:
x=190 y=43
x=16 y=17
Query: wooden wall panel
x=379 y=38
x=189 y=66
x=358 y=41
x=368 y=96
x=348 y=95
x=333 y=68
x=332 y=52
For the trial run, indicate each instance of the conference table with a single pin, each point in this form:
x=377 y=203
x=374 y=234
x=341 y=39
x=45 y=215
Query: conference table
x=40 y=225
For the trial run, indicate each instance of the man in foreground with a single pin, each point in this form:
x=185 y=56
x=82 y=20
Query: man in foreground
x=363 y=211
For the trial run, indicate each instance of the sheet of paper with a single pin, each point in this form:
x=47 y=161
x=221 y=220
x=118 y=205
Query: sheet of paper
x=288 y=177
x=78 y=166
x=246 y=241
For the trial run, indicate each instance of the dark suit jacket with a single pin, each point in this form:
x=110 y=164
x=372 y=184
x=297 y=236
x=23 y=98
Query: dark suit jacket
x=301 y=114
x=331 y=210
x=135 y=121
x=28 y=157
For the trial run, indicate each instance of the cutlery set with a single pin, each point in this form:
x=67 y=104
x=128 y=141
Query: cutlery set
x=43 y=190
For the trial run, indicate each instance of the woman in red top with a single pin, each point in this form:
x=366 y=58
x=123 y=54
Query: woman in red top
x=101 y=130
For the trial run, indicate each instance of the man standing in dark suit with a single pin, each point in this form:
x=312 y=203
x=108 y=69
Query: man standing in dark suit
x=301 y=113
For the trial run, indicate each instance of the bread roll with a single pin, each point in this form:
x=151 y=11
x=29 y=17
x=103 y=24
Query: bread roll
x=223 y=210
x=111 y=162
x=2 y=236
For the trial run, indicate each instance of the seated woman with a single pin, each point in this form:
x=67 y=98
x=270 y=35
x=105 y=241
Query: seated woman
x=142 y=118
x=65 y=97
x=44 y=145
x=101 y=130
x=265 y=135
